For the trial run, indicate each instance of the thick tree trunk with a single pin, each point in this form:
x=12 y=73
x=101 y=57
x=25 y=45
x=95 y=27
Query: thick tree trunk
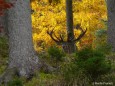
x=111 y=22
x=21 y=51
x=70 y=31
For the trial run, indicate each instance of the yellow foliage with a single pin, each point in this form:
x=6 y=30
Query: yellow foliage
x=88 y=13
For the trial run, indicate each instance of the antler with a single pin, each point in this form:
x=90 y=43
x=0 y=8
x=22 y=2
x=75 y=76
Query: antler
x=81 y=35
x=58 y=40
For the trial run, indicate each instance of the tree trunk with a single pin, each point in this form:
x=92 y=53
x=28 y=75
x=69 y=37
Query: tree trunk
x=21 y=52
x=111 y=22
x=70 y=31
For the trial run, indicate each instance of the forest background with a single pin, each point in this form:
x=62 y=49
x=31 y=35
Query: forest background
x=93 y=60
x=91 y=14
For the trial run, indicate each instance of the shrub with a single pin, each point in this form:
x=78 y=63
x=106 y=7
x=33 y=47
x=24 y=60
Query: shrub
x=100 y=41
x=89 y=66
x=43 y=79
x=69 y=72
x=3 y=53
x=56 y=53
x=3 y=47
x=15 y=82
x=92 y=63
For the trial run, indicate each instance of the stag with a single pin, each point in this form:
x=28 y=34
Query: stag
x=59 y=40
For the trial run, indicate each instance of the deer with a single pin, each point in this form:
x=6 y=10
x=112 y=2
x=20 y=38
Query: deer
x=66 y=45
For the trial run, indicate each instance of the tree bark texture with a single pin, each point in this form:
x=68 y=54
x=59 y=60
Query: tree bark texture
x=70 y=32
x=111 y=22
x=21 y=52
x=69 y=16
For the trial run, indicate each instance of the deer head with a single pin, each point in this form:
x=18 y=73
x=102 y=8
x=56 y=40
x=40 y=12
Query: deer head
x=59 y=39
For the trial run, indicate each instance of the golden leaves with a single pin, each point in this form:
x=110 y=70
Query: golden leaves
x=86 y=12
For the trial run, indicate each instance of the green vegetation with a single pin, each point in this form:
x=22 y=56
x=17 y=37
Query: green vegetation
x=3 y=53
x=15 y=82
x=92 y=63
x=56 y=53
x=84 y=67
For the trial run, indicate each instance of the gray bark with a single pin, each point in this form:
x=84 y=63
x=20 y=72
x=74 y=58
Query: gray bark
x=70 y=31
x=111 y=22
x=21 y=52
